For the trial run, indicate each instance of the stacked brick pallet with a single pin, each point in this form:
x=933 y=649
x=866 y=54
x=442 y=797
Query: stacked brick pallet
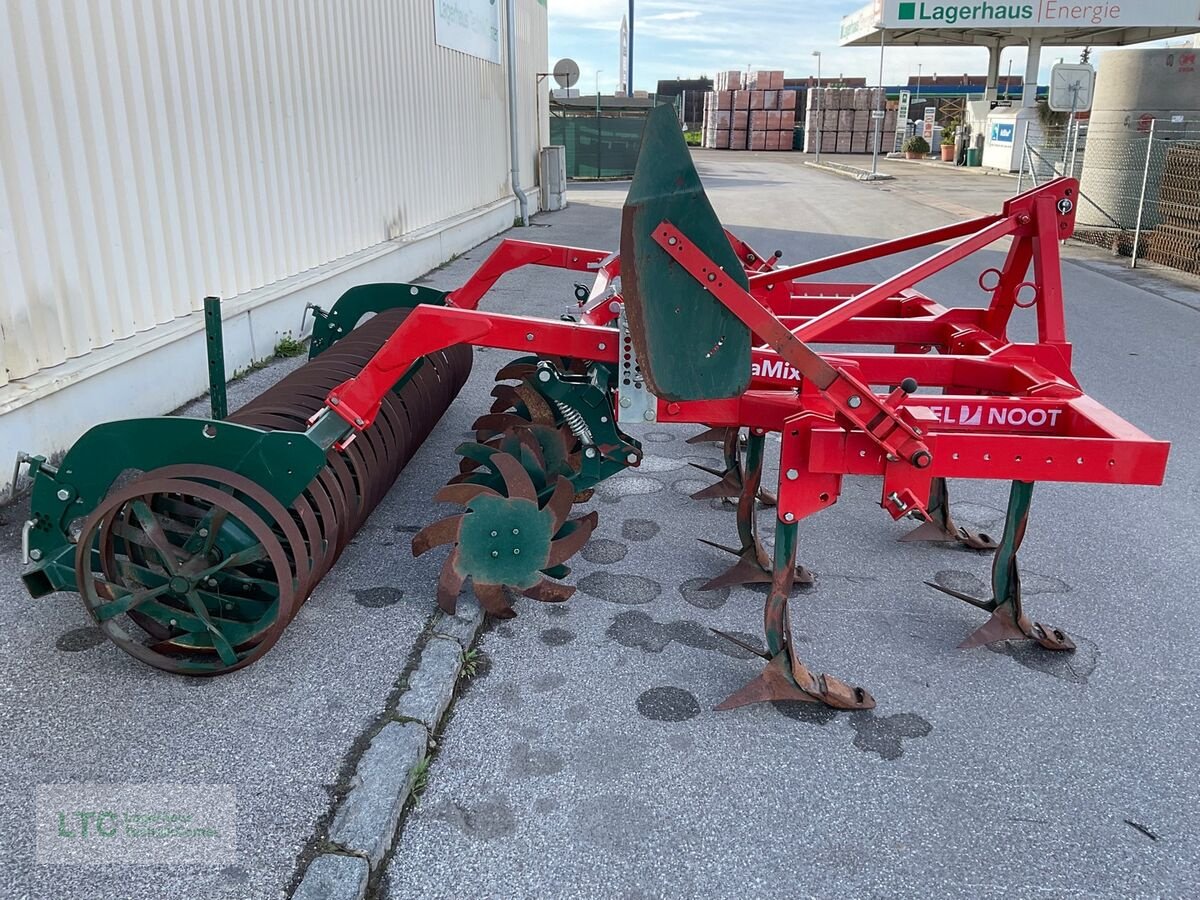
x=842 y=118
x=1176 y=242
x=751 y=113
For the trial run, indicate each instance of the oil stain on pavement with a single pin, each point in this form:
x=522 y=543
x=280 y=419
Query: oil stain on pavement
x=885 y=735
x=637 y=629
x=378 y=597
x=527 y=761
x=627 y=589
x=78 y=639
x=556 y=637
x=639 y=529
x=604 y=552
x=668 y=704
x=486 y=820
x=690 y=591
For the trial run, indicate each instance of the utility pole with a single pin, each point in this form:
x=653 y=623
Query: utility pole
x=629 y=60
x=817 y=106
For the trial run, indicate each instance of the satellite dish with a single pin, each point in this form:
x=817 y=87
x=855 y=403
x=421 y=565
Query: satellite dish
x=566 y=72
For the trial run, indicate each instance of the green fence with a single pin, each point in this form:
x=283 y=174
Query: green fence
x=598 y=146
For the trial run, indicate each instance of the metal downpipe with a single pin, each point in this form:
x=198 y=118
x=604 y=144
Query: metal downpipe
x=513 y=142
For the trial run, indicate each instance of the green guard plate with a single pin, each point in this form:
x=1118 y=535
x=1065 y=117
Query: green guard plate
x=689 y=345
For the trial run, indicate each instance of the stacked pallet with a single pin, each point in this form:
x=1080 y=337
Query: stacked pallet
x=751 y=113
x=841 y=117
x=1176 y=242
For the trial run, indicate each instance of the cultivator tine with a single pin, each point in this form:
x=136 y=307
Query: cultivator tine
x=462 y=492
x=561 y=500
x=733 y=639
x=1008 y=620
x=517 y=370
x=566 y=547
x=753 y=565
x=940 y=527
x=549 y=592
x=516 y=480
x=443 y=531
x=785 y=676
x=711 y=435
x=732 y=477
x=493 y=599
x=449 y=585
x=728 y=487
x=522 y=397
x=492 y=425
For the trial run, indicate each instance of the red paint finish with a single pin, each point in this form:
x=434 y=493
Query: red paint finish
x=997 y=409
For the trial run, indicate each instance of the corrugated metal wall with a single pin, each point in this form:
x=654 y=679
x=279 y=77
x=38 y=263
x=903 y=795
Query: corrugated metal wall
x=153 y=152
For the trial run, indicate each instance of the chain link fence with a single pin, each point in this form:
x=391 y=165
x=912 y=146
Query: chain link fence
x=1139 y=185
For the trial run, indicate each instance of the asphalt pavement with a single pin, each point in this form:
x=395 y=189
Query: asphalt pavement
x=588 y=762
x=584 y=759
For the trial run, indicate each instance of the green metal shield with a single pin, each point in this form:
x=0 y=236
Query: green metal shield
x=689 y=345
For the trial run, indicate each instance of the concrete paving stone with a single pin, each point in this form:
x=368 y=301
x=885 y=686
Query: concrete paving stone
x=431 y=684
x=333 y=876
x=464 y=625
x=365 y=822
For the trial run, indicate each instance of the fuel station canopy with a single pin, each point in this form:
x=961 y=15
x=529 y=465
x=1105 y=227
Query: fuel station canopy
x=997 y=24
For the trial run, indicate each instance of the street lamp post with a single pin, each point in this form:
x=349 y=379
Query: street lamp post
x=919 y=80
x=817 y=106
x=629 y=48
x=877 y=114
x=599 y=143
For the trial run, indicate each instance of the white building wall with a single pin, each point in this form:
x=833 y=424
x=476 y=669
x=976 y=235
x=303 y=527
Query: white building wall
x=154 y=152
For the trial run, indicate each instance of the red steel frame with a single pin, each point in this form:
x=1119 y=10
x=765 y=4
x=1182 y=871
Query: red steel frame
x=1006 y=410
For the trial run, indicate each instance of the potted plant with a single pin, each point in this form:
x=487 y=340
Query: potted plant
x=916 y=147
x=948 y=141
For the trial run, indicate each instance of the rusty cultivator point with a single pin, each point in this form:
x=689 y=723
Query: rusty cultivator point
x=193 y=542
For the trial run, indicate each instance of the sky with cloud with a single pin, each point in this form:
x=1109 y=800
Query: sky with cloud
x=687 y=38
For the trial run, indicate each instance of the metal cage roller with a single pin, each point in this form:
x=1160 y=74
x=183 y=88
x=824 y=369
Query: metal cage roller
x=195 y=569
x=140 y=573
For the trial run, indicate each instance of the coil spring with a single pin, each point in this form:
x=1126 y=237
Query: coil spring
x=575 y=422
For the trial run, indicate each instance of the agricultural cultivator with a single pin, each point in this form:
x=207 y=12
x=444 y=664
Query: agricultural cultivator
x=193 y=542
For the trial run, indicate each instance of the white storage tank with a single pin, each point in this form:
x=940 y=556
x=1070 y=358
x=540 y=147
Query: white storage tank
x=1134 y=88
